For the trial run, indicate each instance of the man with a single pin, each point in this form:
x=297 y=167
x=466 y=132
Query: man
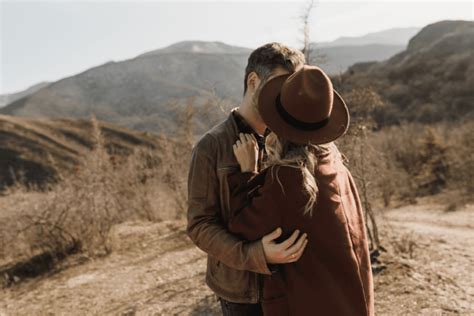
x=234 y=265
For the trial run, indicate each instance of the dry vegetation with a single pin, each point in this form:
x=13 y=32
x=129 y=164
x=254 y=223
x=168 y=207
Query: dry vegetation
x=397 y=164
x=75 y=212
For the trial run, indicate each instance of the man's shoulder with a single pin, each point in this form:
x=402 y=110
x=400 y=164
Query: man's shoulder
x=215 y=135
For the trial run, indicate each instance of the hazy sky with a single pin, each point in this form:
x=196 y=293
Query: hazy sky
x=49 y=40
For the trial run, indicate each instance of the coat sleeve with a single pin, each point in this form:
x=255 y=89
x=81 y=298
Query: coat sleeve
x=263 y=212
x=204 y=223
x=241 y=186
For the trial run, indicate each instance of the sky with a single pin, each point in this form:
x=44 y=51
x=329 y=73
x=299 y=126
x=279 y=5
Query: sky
x=50 y=40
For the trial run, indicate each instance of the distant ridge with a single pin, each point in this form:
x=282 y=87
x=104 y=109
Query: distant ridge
x=199 y=47
x=146 y=92
x=430 y=81
x=5 y=99
x=395 y=36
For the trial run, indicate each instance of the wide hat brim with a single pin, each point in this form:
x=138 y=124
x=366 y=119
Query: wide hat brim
x=336 y=127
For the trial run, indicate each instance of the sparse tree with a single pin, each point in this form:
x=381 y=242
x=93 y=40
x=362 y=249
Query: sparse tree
x=309 y=50
x=365 y=162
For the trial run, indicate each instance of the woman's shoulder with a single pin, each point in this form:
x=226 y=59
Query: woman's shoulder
x=285 y=170
x=284 y=175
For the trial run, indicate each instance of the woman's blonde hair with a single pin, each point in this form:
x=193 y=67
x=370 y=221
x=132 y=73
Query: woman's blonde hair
x=304 y=157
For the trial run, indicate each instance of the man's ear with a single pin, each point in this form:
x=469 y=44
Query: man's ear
x=253 y=81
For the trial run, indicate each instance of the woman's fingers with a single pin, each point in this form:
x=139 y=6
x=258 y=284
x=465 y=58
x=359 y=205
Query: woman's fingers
x=249 y=137
x=246 y=139
x=253 y=138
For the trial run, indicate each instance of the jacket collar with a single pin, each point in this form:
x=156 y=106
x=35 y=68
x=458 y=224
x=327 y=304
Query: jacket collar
x=232 y=123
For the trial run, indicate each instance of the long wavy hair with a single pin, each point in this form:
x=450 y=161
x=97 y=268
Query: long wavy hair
x=281 y=152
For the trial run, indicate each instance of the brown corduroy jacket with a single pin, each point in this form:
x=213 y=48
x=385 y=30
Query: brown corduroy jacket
x=333 y=276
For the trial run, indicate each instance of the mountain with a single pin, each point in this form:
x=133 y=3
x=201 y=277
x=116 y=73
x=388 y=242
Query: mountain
x=336 y=59
x=141 y=92
x=430 y=81
x=148 y=91
x=336 y=56
x=27 y=144
x=10 y=97
x=395 y=36
x=199 y=47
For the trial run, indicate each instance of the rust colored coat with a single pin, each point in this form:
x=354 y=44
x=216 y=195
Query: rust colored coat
x=333 y=276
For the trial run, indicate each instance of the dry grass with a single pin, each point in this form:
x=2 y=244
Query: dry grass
x=403 y=163
x=77 y=212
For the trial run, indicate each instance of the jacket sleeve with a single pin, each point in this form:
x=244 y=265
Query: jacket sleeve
x=204 y=224
x=263 y=212
x=244 y=185
x=241 y=187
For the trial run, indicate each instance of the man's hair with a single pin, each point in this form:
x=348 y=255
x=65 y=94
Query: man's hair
x=266 y=58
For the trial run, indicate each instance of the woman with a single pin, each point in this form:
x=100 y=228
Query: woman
x=304 y=186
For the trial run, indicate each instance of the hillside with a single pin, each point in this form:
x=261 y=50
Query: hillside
x=430 y=81
x=39 y=148
x=6 y=99
x=337 y=59
x=395 y=36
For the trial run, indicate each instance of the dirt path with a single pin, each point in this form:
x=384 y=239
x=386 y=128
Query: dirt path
x=430 y=262
x=155 y=270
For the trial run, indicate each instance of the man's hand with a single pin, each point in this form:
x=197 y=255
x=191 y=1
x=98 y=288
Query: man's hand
x=286 y=251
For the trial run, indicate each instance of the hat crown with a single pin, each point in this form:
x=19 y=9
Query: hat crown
x=307 y=95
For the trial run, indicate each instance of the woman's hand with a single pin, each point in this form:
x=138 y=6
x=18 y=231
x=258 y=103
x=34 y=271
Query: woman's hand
x=246 y=152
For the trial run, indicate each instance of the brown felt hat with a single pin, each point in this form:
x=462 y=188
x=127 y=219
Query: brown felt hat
x=303 y=107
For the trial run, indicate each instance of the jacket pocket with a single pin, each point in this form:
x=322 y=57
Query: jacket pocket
x=231 y=281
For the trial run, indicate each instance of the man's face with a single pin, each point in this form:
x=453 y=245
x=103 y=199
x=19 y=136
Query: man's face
x=259 y=84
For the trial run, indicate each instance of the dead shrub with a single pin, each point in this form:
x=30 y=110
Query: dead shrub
x=83 y=206
x=405 y=245
x=77 y=212
x=460 y=157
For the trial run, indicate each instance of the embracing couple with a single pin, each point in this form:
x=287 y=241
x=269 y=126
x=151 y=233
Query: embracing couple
x=271 y=202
